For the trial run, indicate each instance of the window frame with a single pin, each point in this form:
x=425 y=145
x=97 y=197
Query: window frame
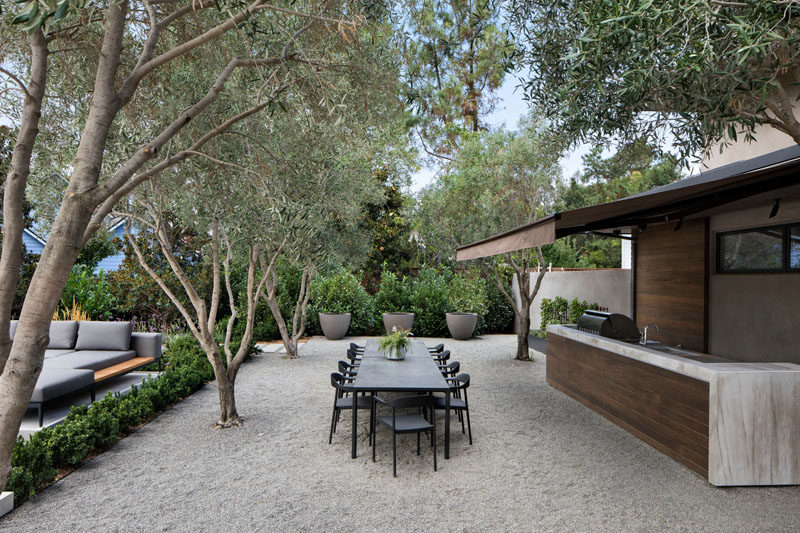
x=785 y=230
x=789 y=228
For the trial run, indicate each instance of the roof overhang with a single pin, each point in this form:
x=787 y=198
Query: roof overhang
x=670 y=203
x=534 y=234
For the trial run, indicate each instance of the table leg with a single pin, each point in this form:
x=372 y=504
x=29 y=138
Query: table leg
x=447 y=425
x=355 y=421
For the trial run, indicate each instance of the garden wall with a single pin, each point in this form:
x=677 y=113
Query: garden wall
x=610 y=288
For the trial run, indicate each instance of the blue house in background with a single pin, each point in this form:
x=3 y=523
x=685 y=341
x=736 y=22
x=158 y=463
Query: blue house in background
x=35 y=244
x=113 y=262
x=32 y=242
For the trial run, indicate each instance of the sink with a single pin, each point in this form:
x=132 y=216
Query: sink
x=700 y=358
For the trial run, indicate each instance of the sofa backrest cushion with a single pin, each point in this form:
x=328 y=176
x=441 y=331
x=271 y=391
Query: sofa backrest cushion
x=104 y=336
x=12 y=328
x=62 y=334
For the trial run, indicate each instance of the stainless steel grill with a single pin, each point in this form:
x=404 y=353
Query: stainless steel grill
x=611 y=325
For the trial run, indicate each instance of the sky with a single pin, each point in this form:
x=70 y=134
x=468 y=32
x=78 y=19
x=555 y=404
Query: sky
x=510 y=108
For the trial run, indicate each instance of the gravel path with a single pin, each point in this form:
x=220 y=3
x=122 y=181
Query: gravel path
x=541 y=461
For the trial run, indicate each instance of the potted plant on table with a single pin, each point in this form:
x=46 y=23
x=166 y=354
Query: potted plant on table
x=467 y=299
x=395 y=345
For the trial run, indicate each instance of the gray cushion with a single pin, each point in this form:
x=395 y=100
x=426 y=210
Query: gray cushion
x=56 y=353
x=104 y=336
x=13 y=328
x=90 y=359
x=57 y=382
x=62 y=334
x=146 y=344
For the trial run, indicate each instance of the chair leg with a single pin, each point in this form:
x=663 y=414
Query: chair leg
x=333 y=424
x=469 y=426
x=461 y=416
x=374 y=445
x=418 y=437
x=394 y=452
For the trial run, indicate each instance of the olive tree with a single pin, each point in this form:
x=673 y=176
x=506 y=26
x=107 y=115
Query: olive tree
x=124 y=72
x=706 y=71
x=498 y=181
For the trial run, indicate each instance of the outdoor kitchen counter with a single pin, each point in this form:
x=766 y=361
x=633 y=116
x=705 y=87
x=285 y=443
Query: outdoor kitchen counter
x=735 y=423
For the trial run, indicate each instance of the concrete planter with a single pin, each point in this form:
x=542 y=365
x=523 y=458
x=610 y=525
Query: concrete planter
x=6 y=502
x=395 y=355
x=462 y=325
x=334 y=325
x=401 y=320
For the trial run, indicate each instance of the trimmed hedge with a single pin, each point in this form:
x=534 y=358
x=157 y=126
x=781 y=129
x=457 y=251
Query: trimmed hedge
x=86 y=429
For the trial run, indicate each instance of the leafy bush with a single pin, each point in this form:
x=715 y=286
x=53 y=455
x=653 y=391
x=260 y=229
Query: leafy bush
x=32 y=465
x=341 y=292
x=393 y=294
x=467 y=294
x=89 y=291
x=560 y=311
x=429 y=302
x=499 y=316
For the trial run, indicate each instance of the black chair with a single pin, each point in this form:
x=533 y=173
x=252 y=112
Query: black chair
x=356 y=348
x=353 y=357
x=350 y=371
x=405 y=423
x=449 y=371
x=436 y=349
x=441 y=358
x=340 y=402
x=458 y=385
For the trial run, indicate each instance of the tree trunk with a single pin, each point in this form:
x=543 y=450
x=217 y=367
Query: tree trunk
x=228 y=417
x=523 y=327
x=14 y=193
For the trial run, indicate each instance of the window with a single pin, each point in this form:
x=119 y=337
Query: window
x=772 y=249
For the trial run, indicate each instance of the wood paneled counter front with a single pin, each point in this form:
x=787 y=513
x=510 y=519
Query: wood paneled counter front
x=733 y=423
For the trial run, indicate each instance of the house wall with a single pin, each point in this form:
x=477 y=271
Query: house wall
x=768 y=139
x=114 y=262
x=670 y=275
x=32 y=244
x=610 y=288
x=754 y=317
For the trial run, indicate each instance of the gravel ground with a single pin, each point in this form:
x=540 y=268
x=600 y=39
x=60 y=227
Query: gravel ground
x=540 y=461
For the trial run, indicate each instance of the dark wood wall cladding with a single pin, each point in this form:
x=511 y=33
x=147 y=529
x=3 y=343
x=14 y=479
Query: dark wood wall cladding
x=671 y=283
x=665 y=409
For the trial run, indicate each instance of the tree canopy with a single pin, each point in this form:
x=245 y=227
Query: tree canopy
x=701 y=71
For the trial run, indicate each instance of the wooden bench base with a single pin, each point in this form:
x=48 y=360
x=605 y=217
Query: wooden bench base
x=122 y=368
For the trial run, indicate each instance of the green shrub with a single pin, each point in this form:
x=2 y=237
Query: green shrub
x=32 y=465
x=91 y=292
x=71 y=442
x=393 y=294
x=560 y=311
x=499 y=316
x=467 y=294
x=340 y=292
x=429 y=302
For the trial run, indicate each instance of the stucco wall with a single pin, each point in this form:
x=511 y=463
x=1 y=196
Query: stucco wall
x=754 y=317
x=610 y=288
x=768 y=139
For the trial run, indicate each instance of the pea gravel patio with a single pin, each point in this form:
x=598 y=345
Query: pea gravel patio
x=541 y=461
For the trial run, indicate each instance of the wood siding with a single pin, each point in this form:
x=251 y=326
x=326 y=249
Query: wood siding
x=665 y=409
x=671 y=283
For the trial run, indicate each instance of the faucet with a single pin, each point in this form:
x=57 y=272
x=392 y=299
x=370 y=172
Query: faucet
x=643 y=340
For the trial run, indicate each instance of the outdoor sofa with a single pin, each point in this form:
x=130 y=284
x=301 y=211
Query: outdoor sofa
x=82 y=354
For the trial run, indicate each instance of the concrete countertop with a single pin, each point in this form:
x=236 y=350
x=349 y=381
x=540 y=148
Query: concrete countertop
x=676 y=363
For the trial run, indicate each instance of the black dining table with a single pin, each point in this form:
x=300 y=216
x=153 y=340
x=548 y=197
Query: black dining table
x=418 y=372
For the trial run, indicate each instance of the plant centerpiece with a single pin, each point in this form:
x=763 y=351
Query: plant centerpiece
x=467 y=299
x=395 y=345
